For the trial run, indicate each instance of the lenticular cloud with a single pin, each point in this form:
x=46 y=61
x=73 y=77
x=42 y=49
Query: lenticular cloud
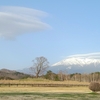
x=19 y=20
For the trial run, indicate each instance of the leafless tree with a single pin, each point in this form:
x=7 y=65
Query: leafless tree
x=62 y=75
x=40 y=65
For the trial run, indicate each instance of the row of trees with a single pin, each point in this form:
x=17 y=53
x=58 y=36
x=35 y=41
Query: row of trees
x=61 y=76
x=40 y=65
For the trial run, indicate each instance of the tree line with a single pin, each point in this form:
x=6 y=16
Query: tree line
x=62 y=76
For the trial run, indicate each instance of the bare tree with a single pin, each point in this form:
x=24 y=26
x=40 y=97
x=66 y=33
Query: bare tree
x=40 y=64
x=62 y=75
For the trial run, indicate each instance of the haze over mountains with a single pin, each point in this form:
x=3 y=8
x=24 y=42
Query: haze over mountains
x=82 y=63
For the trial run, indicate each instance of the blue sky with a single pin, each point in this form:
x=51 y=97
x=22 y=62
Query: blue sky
x=64 y=28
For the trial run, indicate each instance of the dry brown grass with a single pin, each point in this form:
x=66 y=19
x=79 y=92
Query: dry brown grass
x=40 y=81
x=21 y=88
x=43 y=89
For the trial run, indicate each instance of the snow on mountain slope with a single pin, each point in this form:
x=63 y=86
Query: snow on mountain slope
x=79 y=63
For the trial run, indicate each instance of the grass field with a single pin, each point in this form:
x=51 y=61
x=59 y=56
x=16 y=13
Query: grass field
x=49 y=96
x=45 y=93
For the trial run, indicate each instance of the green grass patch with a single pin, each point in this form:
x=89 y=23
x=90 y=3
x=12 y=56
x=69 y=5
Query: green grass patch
x=53 y=96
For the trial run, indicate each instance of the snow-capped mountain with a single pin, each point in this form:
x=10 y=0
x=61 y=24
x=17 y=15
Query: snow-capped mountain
x=77 y=61
x=83 y=63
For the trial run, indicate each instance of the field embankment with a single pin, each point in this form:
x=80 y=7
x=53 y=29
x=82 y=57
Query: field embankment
x=41 y=83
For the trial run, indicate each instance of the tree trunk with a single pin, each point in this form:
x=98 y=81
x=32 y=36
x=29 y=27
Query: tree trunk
x=37 y=75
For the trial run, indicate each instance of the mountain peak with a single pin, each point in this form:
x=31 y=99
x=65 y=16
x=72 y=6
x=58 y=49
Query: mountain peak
x=79 y=63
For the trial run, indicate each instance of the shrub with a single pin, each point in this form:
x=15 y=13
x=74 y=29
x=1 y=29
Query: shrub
x=94 y=86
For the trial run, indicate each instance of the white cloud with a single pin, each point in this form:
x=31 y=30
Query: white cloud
x=84 y=56
x=19 y=20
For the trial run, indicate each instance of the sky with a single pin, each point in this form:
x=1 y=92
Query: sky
x=54 y=29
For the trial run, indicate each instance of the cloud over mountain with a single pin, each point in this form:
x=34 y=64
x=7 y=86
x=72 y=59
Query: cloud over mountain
x=19 y=20
x=89 y=55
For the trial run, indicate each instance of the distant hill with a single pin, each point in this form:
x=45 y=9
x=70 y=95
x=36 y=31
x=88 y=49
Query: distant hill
x=26 y=71
x=11 y=74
